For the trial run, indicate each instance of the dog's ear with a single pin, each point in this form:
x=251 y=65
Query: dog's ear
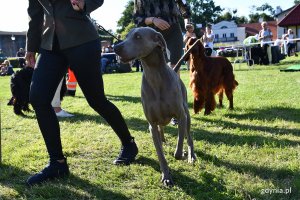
x=190 y=43
x=159 y=39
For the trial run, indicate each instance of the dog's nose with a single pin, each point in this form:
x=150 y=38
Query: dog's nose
x=118 y=48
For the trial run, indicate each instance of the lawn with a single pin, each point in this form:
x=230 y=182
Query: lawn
x=252 y=152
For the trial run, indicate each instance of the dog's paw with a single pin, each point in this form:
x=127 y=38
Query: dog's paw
x=167 y=180
x=192 y=158
x=179 y=155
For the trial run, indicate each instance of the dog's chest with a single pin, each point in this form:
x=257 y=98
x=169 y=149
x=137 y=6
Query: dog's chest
x=160 y=101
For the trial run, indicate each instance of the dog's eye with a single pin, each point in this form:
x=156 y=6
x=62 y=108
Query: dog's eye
x=138 y=37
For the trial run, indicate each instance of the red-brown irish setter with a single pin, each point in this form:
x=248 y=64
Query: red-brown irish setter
x=209 y=76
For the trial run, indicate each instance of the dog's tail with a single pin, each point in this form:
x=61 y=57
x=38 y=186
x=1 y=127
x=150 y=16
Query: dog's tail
x=236 y=83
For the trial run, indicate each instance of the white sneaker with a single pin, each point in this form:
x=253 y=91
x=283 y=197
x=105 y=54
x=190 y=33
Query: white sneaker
x=63 y=113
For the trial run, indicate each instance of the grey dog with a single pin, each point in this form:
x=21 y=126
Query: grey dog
x=163 y=93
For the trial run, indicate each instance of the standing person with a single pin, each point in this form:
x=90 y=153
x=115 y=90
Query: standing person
x=208 y=40
x=265 y=36
x=64 y=36
x=163 y=16
x=56 y=101
x=21 y=54
x=71 y=83
x=189 y=34
x=290 y=42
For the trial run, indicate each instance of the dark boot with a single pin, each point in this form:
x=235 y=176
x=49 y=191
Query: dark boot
x=53 y=170
x=127 y=154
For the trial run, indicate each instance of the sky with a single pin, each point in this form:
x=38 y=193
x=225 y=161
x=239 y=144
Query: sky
x=13 y=15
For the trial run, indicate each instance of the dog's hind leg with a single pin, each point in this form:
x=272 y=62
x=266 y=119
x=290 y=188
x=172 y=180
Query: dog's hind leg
x=229 y=94
x=221 y=92
x=161 y=133
x=166 y=176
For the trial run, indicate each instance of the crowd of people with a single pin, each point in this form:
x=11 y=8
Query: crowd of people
x=6 y=69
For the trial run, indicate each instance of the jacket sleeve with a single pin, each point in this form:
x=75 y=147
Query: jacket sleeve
x=91 y=5
x=138 y=18
x=34 y=33
x=184 y=8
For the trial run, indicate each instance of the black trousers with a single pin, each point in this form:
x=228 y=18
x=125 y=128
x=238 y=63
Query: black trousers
x=290 y=47
x=51 y=66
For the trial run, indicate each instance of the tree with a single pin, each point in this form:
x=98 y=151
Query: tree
x=126 y=18
x=241 y=20
x=204 y=11
x=230 y=15
x=296 y=2
x=258 y=13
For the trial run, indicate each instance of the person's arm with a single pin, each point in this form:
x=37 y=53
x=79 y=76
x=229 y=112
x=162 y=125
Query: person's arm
x=259 y=35
x=34 y=33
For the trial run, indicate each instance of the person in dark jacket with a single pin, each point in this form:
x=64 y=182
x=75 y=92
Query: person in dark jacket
x=21 y=54
x=63 y=35
x=163 y=16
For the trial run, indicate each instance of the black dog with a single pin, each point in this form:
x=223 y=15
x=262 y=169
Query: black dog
x=20 y=86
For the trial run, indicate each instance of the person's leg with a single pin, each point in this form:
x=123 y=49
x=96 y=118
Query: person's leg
x=269 y=51
x=290 y=47
x=56 y=102
x=84 y=62
x=103 y=65
x=49 y=71
x=56 y=99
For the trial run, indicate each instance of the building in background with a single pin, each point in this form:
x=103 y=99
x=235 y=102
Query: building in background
x=290 y=19
x=10 y=42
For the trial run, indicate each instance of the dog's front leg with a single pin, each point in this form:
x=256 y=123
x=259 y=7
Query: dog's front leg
x=161 y=133
x=166 y=176
x=191 y=153
x=182 y=131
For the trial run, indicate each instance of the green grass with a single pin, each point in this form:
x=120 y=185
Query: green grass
x=240 y=154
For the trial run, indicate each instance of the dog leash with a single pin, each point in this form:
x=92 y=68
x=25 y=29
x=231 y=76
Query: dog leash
x=178 y=64
x=101 y=28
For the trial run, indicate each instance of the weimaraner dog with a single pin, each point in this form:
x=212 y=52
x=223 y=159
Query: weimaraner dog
x=164 y=95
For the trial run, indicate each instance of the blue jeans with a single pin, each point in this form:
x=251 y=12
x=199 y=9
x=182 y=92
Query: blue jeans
x=50 y=68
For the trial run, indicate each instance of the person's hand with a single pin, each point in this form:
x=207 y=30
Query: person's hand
x=30 y=58
x=78 y=5
x=187 y=22
x=160 y=23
